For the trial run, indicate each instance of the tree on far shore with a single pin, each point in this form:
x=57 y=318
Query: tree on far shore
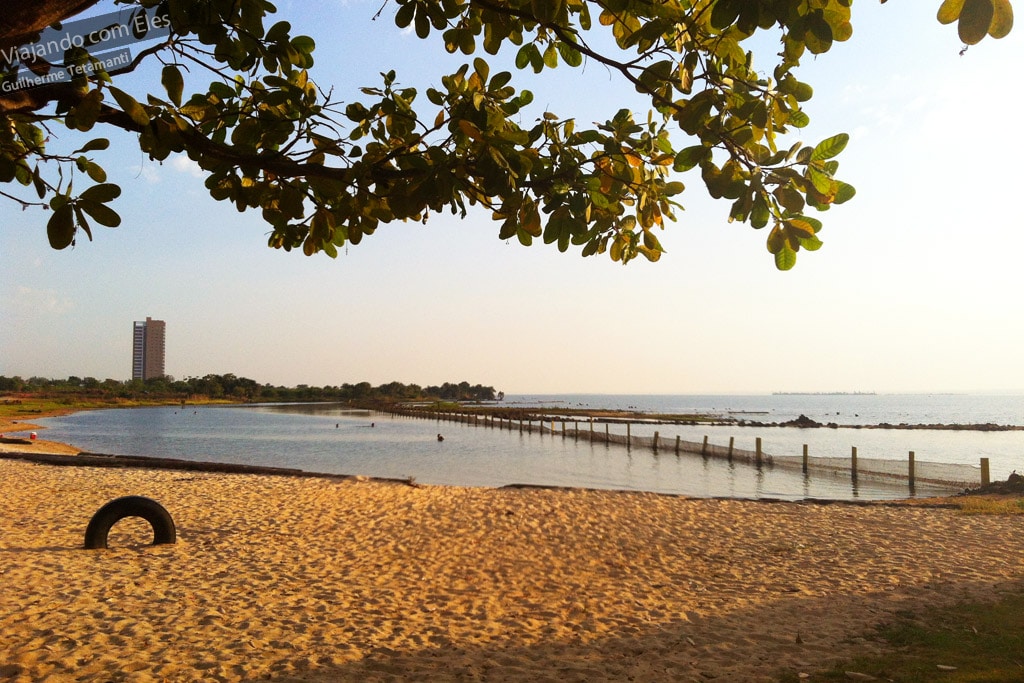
x=272 y=138
x=233 y=387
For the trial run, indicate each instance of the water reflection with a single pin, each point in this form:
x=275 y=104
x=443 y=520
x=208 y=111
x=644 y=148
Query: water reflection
x=330 y=439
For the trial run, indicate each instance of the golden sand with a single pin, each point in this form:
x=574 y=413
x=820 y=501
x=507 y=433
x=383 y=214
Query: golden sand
x=312 y=579
x=18 y=429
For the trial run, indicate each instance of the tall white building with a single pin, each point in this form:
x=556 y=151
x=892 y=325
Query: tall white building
x=148 y=349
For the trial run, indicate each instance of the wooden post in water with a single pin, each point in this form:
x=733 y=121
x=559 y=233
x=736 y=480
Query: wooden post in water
x=552 y=428
x=607 y=436
x=655 y=442
x=732 y=439
x=984 y=472
x=629 y=437
x=591 y=430
x=757 y=451
x=677 y=444
x=704 y=447
x=910 y=470
x=805 y=458
x=853 y=463
x=575 y=430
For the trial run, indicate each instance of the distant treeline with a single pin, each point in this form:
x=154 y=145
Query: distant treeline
x=232 y=387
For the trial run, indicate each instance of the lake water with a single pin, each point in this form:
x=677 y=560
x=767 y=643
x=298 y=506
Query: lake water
x=844 y=409
x=326 y=438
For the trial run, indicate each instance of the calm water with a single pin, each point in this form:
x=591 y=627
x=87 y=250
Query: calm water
x=846 y=409
x=325 y=438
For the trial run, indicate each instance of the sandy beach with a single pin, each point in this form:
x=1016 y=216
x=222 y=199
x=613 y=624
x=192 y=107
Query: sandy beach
x=316 y=579
x=21 y=429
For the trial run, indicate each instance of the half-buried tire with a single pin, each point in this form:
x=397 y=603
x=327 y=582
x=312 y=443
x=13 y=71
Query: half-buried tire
x=129 y=506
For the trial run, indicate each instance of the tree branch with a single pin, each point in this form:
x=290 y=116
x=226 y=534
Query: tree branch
x=22 y=20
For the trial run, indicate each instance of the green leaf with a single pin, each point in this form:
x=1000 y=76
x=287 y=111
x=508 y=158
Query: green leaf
x=785 y=258
x=60 y=229
x=798 y=119
x=102 y=193
x=724 y=14
x=546 y=11
x=508 y=229
x=130 y=106
x=422 y=22
x=101 y=213
x=523 y=56
x=94 y=171
x=93 y=145
x=689 y=157
x=403 y=17
x=821 y=181
x=278 y=31
x=830 y=147
x=551 y=56
x=570 y=55
x=172 y=81
x=303 y=44
x=802 y=92
x=759 y=213
x=819 y=36
x=844 y=193
x=810 y=243
x=87 y=110
x=37 y=181
x=82 y=222
x=975 y=19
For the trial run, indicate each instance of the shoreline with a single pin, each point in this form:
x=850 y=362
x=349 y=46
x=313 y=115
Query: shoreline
x=17 y=427
x=10 y=427
x=318 y=579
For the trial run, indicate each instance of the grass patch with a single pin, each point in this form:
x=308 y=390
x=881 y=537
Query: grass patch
x=982 y=505
x=25 y=409
x=981 y=642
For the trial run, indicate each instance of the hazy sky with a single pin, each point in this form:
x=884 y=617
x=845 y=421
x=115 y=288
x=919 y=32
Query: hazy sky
x=917 y=288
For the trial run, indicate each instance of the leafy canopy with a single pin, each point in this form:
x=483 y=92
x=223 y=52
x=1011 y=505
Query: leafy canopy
x=322 y=175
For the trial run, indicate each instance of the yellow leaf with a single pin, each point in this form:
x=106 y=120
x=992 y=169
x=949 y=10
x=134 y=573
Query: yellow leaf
x=470 y=129
x=531 y=224
x=1002 y=19
x=950 y=10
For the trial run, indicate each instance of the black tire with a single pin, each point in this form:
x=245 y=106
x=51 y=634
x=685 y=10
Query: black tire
x=129 y=506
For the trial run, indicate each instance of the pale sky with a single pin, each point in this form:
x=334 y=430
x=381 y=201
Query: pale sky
x=917 y=287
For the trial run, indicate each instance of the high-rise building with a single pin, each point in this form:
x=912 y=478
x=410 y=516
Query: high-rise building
x=148 y=349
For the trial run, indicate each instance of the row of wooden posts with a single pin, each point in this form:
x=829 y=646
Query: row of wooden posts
x=759 y=456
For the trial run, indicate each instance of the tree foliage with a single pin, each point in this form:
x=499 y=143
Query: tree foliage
x=271 y=138
x=232 y=387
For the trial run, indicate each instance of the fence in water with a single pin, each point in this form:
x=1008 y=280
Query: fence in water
x=909 y=473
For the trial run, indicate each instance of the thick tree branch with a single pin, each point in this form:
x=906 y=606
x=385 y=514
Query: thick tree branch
x=22 y=20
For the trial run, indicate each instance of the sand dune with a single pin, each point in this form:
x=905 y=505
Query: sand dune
x=314 y=579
